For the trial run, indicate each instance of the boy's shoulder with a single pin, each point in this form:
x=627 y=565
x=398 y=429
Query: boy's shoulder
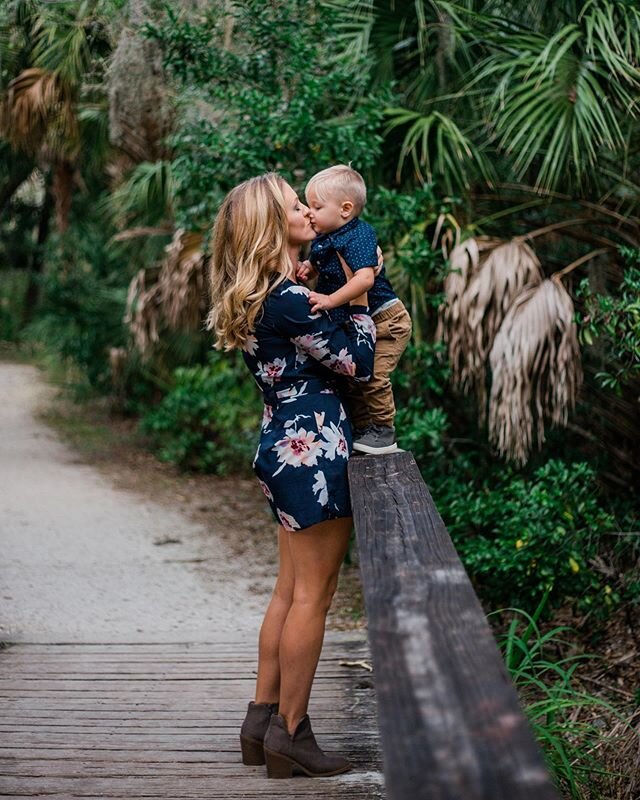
x=356 y=229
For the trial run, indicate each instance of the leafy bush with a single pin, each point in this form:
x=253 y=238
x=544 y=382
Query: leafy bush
x=278 y=99
x=519 y=536
x=616 y=319
x=81 y=307
x=209 y=421
x=13 y=284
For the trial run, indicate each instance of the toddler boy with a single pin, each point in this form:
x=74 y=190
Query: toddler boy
x=336 y=196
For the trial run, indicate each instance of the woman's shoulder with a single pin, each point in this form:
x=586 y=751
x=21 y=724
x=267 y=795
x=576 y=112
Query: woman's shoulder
x=286 y=300
x=289 y=293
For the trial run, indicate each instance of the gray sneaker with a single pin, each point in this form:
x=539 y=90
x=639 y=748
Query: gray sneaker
x=376 y=440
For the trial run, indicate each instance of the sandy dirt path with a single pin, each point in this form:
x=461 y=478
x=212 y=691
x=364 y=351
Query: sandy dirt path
x=84 y=561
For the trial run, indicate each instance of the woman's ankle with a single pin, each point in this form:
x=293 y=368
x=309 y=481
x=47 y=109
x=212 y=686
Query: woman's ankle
x=291 y=721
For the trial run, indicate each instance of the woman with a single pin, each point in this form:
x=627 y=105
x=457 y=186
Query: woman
x=301 y=462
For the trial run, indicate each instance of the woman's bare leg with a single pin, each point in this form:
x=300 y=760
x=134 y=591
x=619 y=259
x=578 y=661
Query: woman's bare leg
x=317 y=554
x=268 y=682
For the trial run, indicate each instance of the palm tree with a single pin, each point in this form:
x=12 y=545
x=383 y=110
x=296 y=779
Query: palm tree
x=530 y=112
x=51 y=110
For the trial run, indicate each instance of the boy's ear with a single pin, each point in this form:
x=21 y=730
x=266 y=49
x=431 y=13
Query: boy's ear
x=346 y=208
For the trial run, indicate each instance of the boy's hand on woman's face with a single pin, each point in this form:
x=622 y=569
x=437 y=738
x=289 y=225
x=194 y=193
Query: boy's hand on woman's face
x=320 y=302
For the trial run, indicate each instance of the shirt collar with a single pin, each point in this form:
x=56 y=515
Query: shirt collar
x=336 y=235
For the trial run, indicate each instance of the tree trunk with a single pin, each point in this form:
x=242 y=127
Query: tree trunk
x=37 y=263
x=20 y=171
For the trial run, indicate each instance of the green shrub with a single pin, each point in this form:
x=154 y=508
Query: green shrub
x=280 y=99
x=79 y=319
x=209 y=421
x=13 y=284
x=519 y=535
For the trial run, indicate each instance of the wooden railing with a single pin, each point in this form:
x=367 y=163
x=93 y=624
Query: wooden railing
x=450 y=721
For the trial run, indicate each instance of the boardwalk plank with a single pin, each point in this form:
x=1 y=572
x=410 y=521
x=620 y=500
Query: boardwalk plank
x=161 y=721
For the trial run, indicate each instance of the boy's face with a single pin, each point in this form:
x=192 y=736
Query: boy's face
x=327 y=215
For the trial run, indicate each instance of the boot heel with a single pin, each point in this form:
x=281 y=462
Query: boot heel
x=252 y=752
x=278 y=766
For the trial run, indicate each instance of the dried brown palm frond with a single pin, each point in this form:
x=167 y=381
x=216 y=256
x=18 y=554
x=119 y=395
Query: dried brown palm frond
x=38 y=106
x=464 y=259
x=182 y=282
x=536 y=369
x=487 y=274
x=144 y=312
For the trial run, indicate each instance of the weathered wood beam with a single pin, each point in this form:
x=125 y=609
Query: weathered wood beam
x=450 y=721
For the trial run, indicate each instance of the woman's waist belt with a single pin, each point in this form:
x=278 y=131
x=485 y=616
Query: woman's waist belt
x=288 y=391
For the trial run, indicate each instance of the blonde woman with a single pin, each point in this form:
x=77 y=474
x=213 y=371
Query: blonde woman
x=296 y=358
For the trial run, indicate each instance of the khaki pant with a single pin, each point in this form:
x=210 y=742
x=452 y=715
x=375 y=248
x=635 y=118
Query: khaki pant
x=372 y=402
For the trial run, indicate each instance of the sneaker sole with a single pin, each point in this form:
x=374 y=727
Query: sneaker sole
x=376 y=451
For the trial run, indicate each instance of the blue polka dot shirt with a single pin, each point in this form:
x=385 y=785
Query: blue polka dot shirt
x=356 y=243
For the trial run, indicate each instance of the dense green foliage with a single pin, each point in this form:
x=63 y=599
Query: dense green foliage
x=282 y=102
x=616 y=319
x=472 y=118
x=195 y=431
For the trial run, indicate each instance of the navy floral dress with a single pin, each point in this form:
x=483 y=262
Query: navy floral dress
x=296 y=358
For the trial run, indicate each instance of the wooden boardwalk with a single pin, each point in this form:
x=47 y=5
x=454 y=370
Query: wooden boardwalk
x=161 y=721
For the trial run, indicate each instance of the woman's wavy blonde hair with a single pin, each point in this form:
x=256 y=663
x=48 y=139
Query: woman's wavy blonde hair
x=248 y=248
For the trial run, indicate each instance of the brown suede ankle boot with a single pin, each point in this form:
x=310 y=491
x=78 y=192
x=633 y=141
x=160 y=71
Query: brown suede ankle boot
x=284 y=753
x=253 y=730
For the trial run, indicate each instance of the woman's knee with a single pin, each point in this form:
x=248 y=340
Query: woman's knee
x=317 y=595
x=283 y=591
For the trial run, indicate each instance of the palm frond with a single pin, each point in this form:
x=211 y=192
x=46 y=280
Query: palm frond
x=438 y=148
x=477 y=300
x=182 y=282
x=143 y=313
x=536 y=370
x=147 y=193
x=612 y=27
x=37 y=105
x=555 y=105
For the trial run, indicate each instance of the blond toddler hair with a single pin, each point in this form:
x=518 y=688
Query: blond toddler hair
x=340 y=182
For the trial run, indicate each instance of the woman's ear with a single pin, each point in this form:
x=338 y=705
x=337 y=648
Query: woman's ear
x=346 y=208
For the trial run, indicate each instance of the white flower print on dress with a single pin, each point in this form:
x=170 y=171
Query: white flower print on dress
x=341 y=362
x=291 y=422
x=319 y=420
x=288 y=522
x=251 y=345
x=271 y=370
x=335 y=442
x=266 y=490
x=292 y=393
x=296 y=289
x=365 y=327
x=320 y=488
x=311 y=344
x=267 y=416
x=298 y=448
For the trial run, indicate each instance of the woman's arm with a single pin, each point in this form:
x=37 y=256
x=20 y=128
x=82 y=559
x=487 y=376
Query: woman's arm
x=345 y=348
